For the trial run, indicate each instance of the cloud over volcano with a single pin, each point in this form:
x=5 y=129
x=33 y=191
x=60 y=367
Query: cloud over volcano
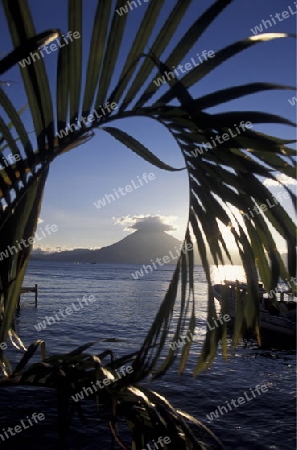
x=147 y=223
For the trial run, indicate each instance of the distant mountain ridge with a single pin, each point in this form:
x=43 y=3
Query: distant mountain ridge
x=137 y=248
x=140 y=247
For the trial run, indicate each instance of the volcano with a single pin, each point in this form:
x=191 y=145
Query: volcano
x=137 y=248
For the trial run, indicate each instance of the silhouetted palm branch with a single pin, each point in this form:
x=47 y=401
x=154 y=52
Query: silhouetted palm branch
x=220 y=178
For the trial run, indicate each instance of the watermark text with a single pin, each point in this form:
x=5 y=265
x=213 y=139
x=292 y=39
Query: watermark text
x=24 y=243
x=271 y=22
x=220 y=139
x=60 y=42
x=141 y=181
x=221 y=410
x=101 y=384
x=24 y=425
x=184 y=68
x=49 y=320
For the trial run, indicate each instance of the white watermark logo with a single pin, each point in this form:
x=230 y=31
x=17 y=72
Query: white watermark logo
x=60 y=42
x=276 y=291
x=220 y=139
x=271 y=22
x=9 y=160
x=3 y=345
x=220 y=410
x=129 y=5
x=85 y=120
x=215 y=323
x=101 y=384
x=24 y=425
x=293 y=101
x=14 y=249
x=264 y=206
x=50 y=320
x=126 y=190
x=184 y=68
x=158 y=444
x=166 y=260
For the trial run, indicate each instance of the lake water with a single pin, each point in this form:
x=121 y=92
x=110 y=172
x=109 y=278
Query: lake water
x=124 y=308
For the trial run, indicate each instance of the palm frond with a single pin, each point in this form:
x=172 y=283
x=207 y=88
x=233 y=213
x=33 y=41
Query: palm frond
x=221 y=179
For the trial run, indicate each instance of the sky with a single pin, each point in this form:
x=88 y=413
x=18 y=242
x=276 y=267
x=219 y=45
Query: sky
x=83 y=176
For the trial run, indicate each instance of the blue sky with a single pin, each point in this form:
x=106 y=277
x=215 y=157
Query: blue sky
x=84 y=175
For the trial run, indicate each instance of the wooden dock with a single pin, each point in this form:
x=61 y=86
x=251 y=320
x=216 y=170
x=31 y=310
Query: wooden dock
x=25 y=290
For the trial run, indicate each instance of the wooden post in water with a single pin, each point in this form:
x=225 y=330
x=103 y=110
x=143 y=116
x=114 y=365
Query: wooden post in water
x=36 y=294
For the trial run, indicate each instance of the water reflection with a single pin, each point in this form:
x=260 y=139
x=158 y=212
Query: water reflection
x=228 y=272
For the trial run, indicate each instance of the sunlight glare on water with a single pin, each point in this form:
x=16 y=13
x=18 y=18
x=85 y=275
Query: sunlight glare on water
x=228 y=272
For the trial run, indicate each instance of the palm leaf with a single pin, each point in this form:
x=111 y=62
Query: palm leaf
x=223 y=178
